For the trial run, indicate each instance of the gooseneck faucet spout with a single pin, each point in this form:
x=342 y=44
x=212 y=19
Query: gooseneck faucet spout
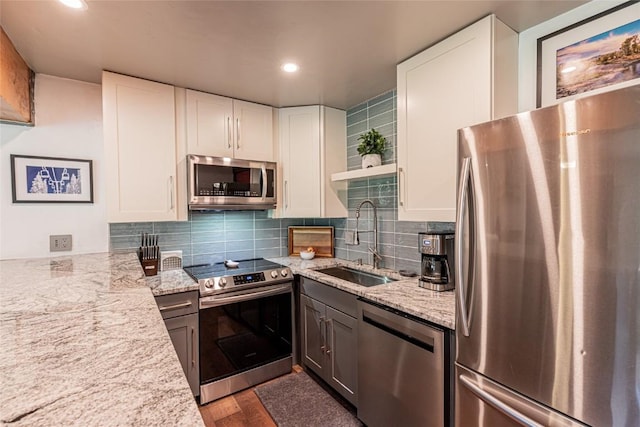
x=374 y=250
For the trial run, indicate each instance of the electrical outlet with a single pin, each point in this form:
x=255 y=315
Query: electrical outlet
x=60 y=242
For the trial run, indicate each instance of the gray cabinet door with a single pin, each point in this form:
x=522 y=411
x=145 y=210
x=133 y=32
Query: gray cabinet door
x=183 y=331
x=313 y=334
x=342 y=343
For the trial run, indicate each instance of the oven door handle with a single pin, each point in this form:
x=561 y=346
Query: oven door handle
x=218 y=300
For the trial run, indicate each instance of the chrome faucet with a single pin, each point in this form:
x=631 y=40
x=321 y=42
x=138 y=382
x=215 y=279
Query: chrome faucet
x=376 y=255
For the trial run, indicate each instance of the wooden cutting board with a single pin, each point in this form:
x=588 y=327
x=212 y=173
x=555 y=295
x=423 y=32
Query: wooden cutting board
x=321 y=238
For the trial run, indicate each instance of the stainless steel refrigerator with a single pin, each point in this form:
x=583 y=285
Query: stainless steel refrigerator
x=548 y=266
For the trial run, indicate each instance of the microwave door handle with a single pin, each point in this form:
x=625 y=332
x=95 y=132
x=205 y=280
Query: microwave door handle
x=264 y=182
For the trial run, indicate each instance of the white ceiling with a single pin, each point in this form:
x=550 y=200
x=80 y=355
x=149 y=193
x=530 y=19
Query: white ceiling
x=347 y=50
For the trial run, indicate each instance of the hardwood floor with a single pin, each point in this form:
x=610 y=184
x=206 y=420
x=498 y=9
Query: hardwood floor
x=242 y=409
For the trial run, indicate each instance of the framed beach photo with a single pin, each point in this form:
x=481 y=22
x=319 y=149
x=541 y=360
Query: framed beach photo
x=51 y=180
x=592 y=56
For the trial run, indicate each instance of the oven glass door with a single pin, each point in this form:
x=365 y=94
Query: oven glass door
x=243 y=335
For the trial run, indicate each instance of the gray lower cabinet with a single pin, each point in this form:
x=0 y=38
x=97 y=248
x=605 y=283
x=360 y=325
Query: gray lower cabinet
x=329 y=336
x=180 y=314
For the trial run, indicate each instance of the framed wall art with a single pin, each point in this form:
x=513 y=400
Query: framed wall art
x=595 y=55
x=51 y=180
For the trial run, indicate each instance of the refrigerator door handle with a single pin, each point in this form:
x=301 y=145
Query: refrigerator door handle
x=463 y=185
x=497 y=403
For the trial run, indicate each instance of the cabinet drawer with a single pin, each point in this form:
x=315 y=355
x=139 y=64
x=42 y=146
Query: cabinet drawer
x=340 y=300
x=177 y=304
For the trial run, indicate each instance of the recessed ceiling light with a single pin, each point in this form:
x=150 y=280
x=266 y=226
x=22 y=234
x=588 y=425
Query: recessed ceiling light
x=290 y=67
x=74 y=4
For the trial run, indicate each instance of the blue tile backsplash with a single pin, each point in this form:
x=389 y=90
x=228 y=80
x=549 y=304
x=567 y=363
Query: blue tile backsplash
x=215 y=236
x=397 y=240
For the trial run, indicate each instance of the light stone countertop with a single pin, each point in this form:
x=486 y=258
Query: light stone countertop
x=171 y=282
x=404 y=294
x=82 y=343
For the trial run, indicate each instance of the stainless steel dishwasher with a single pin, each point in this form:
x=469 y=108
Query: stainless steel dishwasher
x=403 y=379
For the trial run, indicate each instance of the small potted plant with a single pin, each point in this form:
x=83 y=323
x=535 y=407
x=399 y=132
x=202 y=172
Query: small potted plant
x=372 y=146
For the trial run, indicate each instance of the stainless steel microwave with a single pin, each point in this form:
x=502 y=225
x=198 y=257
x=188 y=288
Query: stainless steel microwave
x=221 y=183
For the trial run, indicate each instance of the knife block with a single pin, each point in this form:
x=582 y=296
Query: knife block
x=150 y=266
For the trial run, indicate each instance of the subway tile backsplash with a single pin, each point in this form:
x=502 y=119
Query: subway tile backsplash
x=397 y=241
x=215 y=236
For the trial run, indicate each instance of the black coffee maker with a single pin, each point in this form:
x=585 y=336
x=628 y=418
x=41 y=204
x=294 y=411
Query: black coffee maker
x=436 y=272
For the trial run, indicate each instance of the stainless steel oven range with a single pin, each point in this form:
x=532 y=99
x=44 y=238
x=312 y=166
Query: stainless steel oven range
x=246 y=322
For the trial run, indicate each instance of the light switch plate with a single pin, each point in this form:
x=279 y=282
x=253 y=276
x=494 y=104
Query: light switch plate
x=60 y=242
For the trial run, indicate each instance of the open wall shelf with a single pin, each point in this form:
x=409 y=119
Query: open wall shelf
x=377 y=171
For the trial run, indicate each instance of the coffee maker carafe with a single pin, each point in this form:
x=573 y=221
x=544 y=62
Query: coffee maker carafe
x=436 y=271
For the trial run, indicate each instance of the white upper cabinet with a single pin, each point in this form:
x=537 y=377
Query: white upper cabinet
x=225 y=127
x=253 y=131
x=468 y=78
x=209 y=124
x=312 y=147
x=140 y=149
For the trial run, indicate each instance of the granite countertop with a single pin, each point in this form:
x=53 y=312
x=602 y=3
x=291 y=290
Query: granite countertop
x=404 y=294
x=171 y=282
x=82 y=343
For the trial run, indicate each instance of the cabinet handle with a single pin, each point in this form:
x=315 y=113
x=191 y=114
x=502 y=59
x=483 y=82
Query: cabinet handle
x=286 y=196
x=323 y=347
x=238 y=133
x=193 y=350
x=330 y=334
x=228 y=132
x=171 y=191
x=175 y=306
x=401 y=190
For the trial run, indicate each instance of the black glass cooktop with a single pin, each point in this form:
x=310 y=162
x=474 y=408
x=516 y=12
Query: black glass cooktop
x=246 y=266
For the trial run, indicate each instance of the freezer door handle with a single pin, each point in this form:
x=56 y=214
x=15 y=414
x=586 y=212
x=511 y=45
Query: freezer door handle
x=497 y=403
x=463 y=186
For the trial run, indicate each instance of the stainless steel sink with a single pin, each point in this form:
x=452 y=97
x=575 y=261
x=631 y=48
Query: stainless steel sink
x=356 y=276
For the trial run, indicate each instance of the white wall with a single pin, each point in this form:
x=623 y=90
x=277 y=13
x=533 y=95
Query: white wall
x=68 y=124
x=528 y=39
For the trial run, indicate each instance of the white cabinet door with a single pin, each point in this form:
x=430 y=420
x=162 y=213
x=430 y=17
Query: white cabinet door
x=300 y=160
x=224 y=127
x=445 y=88
x=313 y=145
x=209 y=124
x=140 y=149
x=253 y=131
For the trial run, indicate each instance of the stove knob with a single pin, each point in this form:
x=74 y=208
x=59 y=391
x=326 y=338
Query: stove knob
x=208 y=283
x=284 y=273
x=274 y=274
x=222 y=282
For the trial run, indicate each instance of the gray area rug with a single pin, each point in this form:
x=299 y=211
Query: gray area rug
x=296 y=400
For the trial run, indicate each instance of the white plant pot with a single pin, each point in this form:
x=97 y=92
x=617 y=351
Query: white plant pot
x=371 y=160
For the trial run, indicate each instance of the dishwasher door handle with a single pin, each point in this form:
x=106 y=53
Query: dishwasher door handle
x=406 y=334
